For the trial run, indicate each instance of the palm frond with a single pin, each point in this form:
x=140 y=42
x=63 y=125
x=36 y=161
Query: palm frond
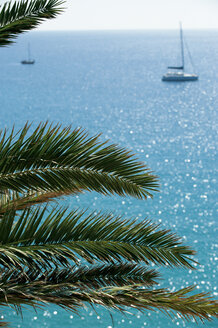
x=15 y=201
x=84 y=277
x=33 y=239
x=53 y=160
x=21 y=16
x=70 y=297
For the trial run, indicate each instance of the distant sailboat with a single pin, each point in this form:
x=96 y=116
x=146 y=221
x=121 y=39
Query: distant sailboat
x=176 y=73
x=28 y=61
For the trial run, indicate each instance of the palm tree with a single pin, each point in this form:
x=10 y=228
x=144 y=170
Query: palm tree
x=42 y=247
x=50 y=254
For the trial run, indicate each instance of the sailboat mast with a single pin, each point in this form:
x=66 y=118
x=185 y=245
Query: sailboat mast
x=28 y=48
x=182 y=46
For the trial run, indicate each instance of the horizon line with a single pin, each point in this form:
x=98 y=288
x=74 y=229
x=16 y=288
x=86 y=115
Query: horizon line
x=126 y=29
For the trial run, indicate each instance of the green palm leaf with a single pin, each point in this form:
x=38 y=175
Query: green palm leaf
x=33 y=239
x=70 y=297
x=21 y=16
x=121 y=274
x=50 y=160
x=15 y=201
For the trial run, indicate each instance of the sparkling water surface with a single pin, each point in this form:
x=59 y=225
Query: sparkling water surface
x=110 y=83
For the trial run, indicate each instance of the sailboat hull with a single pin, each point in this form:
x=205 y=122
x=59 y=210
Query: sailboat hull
x=179 y=77
x=27 y=62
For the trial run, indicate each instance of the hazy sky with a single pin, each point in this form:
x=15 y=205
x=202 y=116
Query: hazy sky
x=135 y=14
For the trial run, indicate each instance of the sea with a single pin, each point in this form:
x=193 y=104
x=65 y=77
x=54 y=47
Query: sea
x=109 y=82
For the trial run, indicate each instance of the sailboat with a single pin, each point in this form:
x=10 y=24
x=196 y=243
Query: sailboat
x=28 y=61
x=177 y=73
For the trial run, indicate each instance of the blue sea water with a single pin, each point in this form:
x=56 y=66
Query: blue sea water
x=110 y=83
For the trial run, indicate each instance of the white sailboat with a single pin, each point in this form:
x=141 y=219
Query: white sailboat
x=28 y=61
x=177 y=73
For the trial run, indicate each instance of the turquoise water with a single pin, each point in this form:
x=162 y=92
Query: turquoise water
x=110 y=82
